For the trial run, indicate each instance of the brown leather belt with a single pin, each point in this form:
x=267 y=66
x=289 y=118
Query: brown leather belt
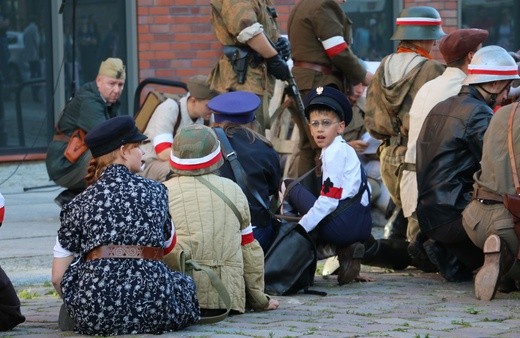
x=125 y=251
x=481 y=194
x=61 y=137
x=314 y=66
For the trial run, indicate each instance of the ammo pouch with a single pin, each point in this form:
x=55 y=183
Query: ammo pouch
x=238 y=56
x=392 y=159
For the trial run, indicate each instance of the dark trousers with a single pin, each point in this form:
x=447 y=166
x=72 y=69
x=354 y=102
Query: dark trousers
x=353 y=224
x=265 y=236
x=454 y=238
x=10 y=314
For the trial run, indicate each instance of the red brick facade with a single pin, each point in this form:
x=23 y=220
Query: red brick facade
x=175 y=39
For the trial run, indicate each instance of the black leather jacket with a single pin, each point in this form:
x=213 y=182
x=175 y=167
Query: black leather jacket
x=449 y=149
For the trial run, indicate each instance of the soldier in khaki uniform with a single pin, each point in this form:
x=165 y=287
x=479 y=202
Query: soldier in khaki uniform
x=168 y=117
x=486 y=220
x=320 y=35
x=390 y=96
x=254 y=53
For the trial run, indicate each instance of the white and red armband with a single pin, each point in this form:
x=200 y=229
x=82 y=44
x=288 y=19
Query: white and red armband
x=162 y=142
x=334 y=45
x=247 y=235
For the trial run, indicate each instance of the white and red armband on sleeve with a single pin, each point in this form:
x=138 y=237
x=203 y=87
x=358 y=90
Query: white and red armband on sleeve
x=334 y=45
x=247 y=235
x=162 y=142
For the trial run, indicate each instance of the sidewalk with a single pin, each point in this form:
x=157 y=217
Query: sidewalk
x=397 y=304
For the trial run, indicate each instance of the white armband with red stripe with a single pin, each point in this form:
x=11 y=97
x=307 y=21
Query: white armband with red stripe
x=170 y=243
x=334 y=45
x=247 y=235
x=162 y=142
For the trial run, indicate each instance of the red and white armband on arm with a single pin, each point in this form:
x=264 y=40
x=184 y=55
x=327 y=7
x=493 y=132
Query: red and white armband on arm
x=162 y=142
x=334 y=45
x=247 y=235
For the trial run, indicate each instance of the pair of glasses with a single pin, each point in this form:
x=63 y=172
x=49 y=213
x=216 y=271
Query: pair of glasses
x=324 y=123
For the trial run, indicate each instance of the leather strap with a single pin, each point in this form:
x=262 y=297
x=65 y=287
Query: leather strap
x=125 y=251
x=510 y=147
x=479 y=193
x=61 y=137
x=236 y=166
x=409 y=166
x=314 y=66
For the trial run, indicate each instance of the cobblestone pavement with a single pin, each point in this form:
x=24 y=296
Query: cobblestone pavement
x=397 y=304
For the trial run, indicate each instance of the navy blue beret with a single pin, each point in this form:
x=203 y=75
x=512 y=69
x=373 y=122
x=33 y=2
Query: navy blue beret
x=330 y=98
x=238 y=107
x=112 y=134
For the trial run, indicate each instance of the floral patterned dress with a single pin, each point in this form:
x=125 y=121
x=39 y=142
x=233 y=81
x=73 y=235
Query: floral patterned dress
x=112 y=296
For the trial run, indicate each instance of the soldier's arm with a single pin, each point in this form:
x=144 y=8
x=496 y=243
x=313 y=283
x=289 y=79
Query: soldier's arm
x=330 y=30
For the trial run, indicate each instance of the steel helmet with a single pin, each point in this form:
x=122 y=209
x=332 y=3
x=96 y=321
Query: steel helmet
x=491 y=63
x=418 y=23
x=195 y=151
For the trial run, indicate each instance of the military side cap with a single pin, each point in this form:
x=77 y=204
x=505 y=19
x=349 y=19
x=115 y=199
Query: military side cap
x=198 y=87
x=330 y=98
x=112 y=134
x=238 y=107
x=113 y=67
x=195 y=151
x=459 y=43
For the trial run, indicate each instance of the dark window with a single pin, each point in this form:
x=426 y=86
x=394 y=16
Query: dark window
x=27 y=75
x=373 y=25
x=500 y=17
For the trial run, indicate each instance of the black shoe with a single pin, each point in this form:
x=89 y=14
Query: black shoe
x=65 y=197
x=386 y=253
x=506 y=285
x=448 y=264
x=419 y=256
x=65 y=322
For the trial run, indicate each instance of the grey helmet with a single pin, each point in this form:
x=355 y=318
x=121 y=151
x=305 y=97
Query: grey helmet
x=418 y=23
x=491 y=63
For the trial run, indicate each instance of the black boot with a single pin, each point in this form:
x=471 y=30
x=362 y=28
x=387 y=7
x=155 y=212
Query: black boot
x=419 y=256
x=386 y=253
x=395 y=227
x=449 y=266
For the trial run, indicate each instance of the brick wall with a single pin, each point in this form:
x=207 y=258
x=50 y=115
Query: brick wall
x=176 y=41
